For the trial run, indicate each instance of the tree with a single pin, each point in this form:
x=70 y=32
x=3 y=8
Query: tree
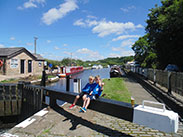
x=165 y=28
x=144 y=53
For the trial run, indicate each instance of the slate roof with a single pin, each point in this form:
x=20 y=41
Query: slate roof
x=11 y=52
x=38 y=56
x=6 y=52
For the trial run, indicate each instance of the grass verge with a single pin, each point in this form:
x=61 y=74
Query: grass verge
x=29 y=78
x=115 y=89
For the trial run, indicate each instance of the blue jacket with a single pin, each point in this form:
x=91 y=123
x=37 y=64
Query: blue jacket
x=88 y=88
x=96 y=90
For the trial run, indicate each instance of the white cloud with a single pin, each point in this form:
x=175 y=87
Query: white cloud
x=12 y=38
x=117 y=48
x=67 y=53
x=125 y=37
x=89 y=54
x=65 y=45
x=48 y=41
x=122 y=53
x=2 y=46
x=127 y=53
x=91 y=17
x=128 y=8
x=125 y=43
x=91 y=23
x=85 y=23
x=56 y=48
x=85 y=1
x=128 y=42
x=80 y=23
x=57 y=13
x=29 y=44
x=31 y=4
x=114 y=55
x=104 y=28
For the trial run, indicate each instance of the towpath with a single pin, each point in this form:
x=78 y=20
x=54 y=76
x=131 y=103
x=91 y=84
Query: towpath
x=136 y=90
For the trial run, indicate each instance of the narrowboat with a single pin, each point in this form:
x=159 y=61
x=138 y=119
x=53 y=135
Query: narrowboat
x=65 y=70
x=115 y=71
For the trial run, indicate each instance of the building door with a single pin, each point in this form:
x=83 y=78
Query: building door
x=29 y=66
x=22 y=66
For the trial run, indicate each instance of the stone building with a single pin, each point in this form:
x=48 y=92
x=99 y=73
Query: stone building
x=19 y=61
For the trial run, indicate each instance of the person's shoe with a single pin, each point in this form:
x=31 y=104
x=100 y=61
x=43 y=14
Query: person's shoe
x=80 y=111
x=84 y=109
x=72 y=106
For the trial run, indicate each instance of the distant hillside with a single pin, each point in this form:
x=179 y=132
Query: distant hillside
x=104 y=62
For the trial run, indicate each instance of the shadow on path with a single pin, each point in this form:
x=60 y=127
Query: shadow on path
x=75 y=121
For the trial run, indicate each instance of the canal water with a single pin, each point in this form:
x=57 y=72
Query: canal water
x=61 y=84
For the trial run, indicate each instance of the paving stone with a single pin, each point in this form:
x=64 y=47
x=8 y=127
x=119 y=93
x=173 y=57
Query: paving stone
x=144 y=135
x=138 y=132
x=70 y=123
x=160 y=134
x=151 y=133
x=168 y=135
x=135 y=135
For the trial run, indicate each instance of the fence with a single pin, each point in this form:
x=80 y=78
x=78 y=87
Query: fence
x=173 y=81
x=20 y=99
x=10 y=100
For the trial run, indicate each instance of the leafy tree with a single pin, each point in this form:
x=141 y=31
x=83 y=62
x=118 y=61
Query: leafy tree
x=66 y=61
x=144 y=52
x=165 y=28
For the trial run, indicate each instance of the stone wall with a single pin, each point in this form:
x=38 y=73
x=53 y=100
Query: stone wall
x=13 y=66
x=38 y=67
x=2 y=67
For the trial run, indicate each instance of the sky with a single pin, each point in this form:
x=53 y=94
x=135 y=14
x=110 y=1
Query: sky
x=83 y=29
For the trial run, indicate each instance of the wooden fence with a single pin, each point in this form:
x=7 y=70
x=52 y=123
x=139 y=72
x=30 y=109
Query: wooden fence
x=10 y=100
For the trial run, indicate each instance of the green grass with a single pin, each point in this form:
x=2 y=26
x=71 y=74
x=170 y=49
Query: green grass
x=51 y=76
x=8 y=81
x=115 y=89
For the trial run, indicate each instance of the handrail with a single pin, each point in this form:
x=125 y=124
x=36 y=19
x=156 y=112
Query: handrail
x=152 y=102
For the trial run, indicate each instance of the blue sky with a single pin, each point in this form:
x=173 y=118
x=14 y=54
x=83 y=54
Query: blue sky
x=89 y=29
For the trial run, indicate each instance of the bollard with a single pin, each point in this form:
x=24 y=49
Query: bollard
x=68 y=83
x=43 y=80
x=77 y=85
x=132 y=101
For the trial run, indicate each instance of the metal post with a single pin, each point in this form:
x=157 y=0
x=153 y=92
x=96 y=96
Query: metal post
x=79 y=85
x=169 y=83
x=68 y=83
x=154 y=76
x=43 y=80
x=35 y=38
